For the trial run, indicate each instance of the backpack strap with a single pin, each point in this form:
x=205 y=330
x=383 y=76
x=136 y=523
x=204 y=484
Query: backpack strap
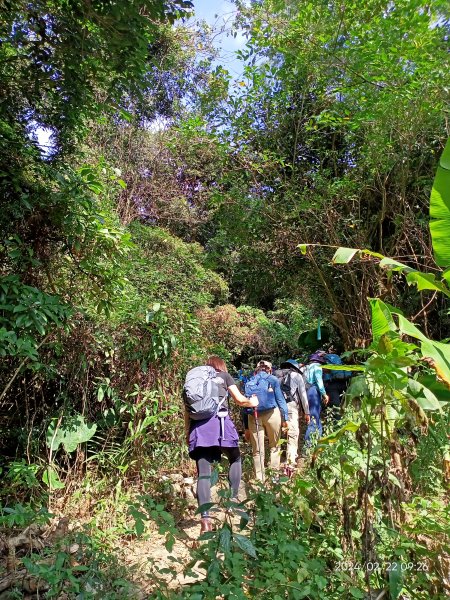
x=221 y=414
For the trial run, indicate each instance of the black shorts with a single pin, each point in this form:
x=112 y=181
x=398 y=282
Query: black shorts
x=214 y=453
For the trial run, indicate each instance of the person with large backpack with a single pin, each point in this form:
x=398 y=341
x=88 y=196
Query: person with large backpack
x=293 y=387
x=335 y=382
x=210 y=432
x=315 y=392
x=270 y=418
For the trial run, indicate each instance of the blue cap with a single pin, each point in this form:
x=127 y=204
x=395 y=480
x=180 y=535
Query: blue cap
x=287 y=364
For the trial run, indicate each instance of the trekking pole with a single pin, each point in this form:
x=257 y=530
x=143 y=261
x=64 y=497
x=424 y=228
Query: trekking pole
x=257 y=443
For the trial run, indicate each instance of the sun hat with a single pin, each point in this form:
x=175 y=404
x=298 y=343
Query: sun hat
x=290 y=363
x=318 y=357
x=264 y=364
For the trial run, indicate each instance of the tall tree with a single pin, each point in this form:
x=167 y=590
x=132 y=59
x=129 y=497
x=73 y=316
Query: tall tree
x=339 y=120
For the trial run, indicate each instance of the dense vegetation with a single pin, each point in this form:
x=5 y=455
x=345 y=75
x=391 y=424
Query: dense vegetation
x=176 y=213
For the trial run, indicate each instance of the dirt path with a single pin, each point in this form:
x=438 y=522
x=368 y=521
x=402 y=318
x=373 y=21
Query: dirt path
x=145 y=556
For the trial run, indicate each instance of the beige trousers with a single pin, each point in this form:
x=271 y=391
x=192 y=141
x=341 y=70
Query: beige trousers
x=269 y=423
x=293 y=434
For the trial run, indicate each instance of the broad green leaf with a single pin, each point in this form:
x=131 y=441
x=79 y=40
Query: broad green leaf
x=214 y=477
x=441 y=391
x=391 y=414
x=334 y=437
x=225 y=538
x=394 y=480
x=245 y=544
x=408 y=328
x=72 y=431
x=139 y=527
x=302 y=248
x=424 y=397
x=204 y=507
x=438 y=351
x=382 y=320
x=51 y=479
x=440 y=210
x=395 y=580
x=375 y=424
x=344 y=255
x=426 y=281
x=394 y=265
x=358 y=387
x=423 y=281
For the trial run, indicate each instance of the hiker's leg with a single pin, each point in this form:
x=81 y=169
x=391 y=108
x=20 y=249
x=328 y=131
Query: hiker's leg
x=204 y=457
x=272 y=425
x=203 y=483
x=314 y=410
x=337 y=410
x=235 y=471
x=293 y=433
x=334 y=390
x=258 y=453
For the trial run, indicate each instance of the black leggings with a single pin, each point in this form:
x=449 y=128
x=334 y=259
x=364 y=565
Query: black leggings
x=204 y=458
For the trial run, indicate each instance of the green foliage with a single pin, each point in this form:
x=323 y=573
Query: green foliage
x=123 y=244
x=164 y=268
x=261 y=550
x=249 y=333
x=20 y=516
x=132 y=433
x=146 y=509
x=94 y=569
x=26 y=316
x=23 y=473
x=327 y=118
x=45 y=46
x=69 y=431
x=440 y=210
x=51 y=479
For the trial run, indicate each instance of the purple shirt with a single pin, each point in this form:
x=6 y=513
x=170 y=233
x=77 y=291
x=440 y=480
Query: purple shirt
x=207 y=433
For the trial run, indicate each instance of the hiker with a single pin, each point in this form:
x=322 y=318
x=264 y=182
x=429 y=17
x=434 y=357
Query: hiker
x=335 y=382
x=208 y=438
x=272 y=417
x=316 y=392
x=293 y=387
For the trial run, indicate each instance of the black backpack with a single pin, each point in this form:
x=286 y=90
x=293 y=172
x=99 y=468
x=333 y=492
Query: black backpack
x=284 y=377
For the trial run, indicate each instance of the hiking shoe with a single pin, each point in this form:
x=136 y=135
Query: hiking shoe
x=205 y=525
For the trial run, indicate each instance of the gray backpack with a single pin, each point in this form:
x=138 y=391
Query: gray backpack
x=201 y=393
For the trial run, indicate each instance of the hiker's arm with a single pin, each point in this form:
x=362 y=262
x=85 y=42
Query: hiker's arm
x=319 y=379
x=320 y=385
x=240 y=399
x=302 y=393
